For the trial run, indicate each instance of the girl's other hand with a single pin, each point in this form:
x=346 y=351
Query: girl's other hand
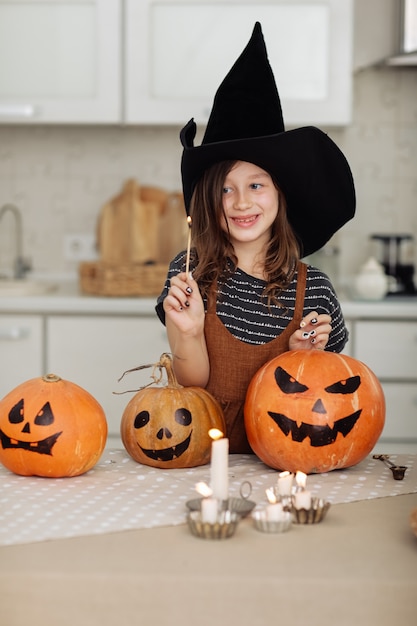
x=313 y=333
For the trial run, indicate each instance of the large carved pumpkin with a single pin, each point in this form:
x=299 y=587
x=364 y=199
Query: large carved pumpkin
x=168 y=426
x=51 y=427
x=313 y=411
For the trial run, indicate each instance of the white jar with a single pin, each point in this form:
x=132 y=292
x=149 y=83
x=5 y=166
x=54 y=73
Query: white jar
x=371 y=283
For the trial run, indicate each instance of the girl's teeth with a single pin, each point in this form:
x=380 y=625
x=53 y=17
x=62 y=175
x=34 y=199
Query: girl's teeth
x=245 y=221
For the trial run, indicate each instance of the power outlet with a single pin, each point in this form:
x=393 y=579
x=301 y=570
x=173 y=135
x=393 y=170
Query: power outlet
x=80 y=248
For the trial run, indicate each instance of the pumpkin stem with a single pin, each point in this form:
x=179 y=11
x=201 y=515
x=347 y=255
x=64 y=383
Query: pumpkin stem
x=166 y=362
x=51 y=378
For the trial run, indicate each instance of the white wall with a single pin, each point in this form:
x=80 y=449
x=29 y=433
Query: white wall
x=61 y=176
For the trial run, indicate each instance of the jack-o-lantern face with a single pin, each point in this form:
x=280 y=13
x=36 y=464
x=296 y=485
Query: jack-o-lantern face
x=314 y=411
x=319 y=434
x=168 y=426
x=35 y=436
x=51 y=427
x=165 y=434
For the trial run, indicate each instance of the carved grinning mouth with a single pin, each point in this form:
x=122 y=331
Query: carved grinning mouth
x=41 y=447
x=167 y=454
x=319 y=435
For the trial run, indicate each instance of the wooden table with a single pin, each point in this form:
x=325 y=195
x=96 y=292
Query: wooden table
x=356 y=568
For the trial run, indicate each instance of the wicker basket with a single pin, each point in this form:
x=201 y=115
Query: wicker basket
x=102 y=279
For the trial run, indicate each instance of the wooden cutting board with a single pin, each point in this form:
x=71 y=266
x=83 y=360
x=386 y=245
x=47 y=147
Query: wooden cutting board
x=142 y=225
x=128 y=228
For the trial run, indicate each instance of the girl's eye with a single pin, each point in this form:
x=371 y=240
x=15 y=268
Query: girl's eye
x=226 y=189
x=256 y=185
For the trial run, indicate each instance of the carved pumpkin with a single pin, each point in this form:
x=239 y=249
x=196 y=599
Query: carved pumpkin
x=51 y=427
x=168 y=426
x=313 y=411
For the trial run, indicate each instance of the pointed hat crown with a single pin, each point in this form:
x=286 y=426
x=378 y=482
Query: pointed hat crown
x=247 y=103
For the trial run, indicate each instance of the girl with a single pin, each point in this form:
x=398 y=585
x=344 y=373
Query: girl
x=248 y=297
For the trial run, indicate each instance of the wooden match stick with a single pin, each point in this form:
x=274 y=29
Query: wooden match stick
x=187 y=263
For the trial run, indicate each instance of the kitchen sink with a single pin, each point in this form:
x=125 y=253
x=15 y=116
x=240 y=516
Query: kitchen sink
x=25 y=287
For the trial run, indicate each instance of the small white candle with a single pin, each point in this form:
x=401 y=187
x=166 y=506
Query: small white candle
x=274 y=512
x=302 y=499
x=219 y=465
x=284 y=484
x=209 y=510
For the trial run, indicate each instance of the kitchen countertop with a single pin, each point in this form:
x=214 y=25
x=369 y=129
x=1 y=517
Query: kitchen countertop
x=66 y=298
x=111 y=566
x=358 y=567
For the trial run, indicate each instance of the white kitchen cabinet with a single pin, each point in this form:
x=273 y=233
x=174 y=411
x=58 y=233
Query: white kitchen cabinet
x=152 y=62
x=21 y=350
x=401 y=406
x=60 y=62
x=376 y=31
x=94 y=351
x=177 y=53
x=389 y=348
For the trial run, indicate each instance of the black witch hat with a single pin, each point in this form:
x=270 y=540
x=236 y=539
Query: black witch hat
x=246 y=124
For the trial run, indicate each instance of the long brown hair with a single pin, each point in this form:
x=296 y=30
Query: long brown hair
x=214 y=254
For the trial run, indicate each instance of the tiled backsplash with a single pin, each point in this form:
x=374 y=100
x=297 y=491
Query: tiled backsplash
x=60 y=176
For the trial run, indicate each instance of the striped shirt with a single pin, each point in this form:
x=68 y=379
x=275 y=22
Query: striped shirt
x=245 y=312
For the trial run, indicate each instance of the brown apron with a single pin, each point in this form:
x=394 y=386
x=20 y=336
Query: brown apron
x=233 y=364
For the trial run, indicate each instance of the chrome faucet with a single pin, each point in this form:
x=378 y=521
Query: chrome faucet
x=21 y=266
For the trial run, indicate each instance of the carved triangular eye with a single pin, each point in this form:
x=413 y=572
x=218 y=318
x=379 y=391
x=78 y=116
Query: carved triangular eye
x=287 y=383
x=348 y=385
x=16 y=413
x=45 y=417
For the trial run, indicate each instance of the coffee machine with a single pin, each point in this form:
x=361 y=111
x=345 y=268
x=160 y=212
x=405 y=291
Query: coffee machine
x=399 y=270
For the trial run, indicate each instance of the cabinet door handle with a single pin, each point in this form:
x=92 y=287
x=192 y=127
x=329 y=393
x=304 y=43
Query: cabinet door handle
x=14 y=333
x=17 y=110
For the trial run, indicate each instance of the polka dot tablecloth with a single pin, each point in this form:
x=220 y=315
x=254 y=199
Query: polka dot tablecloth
x=120 y=494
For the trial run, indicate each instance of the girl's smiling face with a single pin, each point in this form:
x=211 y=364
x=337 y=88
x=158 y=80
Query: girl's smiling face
x=250 y=203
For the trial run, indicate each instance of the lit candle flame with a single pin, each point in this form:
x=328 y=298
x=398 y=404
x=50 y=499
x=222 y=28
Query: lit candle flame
x=204 y=490
x=301 y=479
x=272 y=499
x=284 y=474
x=215 y=433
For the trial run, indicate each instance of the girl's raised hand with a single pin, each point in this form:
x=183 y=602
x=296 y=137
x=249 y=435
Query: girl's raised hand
x=313 y=333
x=184 y=305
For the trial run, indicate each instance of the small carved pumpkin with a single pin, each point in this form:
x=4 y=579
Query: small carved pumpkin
x=51 y=427
x=167 y=427
x=313 y=411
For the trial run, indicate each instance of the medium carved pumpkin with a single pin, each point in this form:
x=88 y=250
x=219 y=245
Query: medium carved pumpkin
x=313 y=411
x=168 y=426
x=51 y=427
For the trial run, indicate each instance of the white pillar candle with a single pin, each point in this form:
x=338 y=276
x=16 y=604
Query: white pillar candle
x=219 y=468
x=302 y=499
x=209 y=510
x=274 y=512
x=284 y=483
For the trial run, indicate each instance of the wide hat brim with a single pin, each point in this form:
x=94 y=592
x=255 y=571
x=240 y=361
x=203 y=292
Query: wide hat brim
x=307 y=165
